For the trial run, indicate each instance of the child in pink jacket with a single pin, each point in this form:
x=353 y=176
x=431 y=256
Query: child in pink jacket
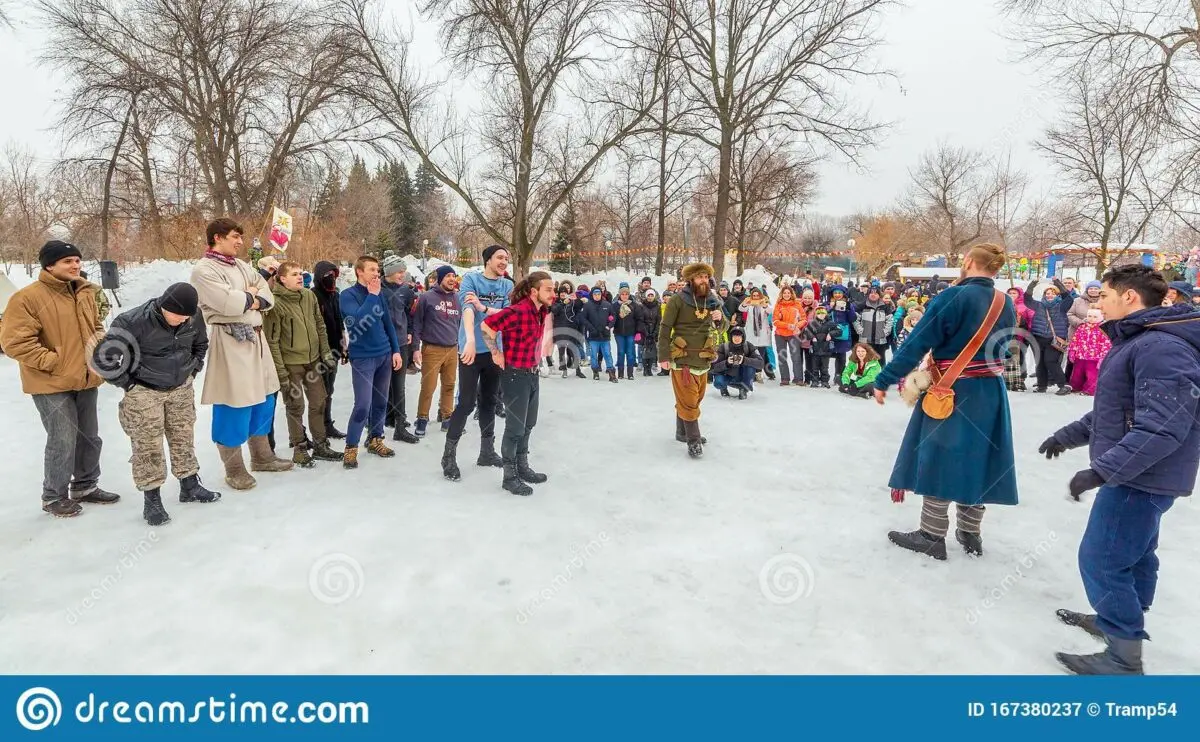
x=1087 y=350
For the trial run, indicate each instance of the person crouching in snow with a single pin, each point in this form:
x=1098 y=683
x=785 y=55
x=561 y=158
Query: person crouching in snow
x=860 y=371
x=820 y=334
x=737 y=362
x=154 y=352
x=1088 y=348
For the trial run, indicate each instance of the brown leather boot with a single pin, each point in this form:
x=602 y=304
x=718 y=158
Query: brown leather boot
x=236 y=475
x=379 y=448
x=262 y=458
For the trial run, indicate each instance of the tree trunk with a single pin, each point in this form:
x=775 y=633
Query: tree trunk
x=106 y=206
x=721 y=218
x=153 y=214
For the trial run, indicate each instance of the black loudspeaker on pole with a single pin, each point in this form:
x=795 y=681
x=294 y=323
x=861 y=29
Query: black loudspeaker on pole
x=110 y=279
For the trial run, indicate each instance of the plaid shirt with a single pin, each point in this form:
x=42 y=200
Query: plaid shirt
x=523 y=326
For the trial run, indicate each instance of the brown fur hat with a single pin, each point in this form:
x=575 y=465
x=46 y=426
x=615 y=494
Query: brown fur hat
x=694 y=269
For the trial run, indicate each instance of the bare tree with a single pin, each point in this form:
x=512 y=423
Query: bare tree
x=765 y=65
x=628 y=202
x=768 y=184
x=954 y=191
x=251 y=86
x=527 y=146
x=1119 y=167
x=34 y=203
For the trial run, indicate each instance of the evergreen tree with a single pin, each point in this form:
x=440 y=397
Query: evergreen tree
x=426 y=184
x=328 y=198
x=404 y=210
x=359 y=179
x=382 y=245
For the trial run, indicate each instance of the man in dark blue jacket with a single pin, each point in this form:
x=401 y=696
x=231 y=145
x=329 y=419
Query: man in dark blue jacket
x=1144 y=438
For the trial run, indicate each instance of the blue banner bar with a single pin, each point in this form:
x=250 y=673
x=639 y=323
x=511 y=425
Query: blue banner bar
x=571 y=708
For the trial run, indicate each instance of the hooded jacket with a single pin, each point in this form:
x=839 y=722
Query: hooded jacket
x=820 y=333
x=1024 y=312
x=597 y=320
x=789 y=318
x=48 y=326
x=295 y=330
x=874 y=323
x=1049 y=318
x=651 y=319
x=325 y=287
x=751 y=356
x=1077 y=314
x=1144 y=427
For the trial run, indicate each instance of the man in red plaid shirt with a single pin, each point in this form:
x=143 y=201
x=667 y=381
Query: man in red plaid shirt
x=528 y=337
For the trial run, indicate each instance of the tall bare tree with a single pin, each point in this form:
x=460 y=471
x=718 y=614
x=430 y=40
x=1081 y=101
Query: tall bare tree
x=1119 y=167
x=551 y=109
x=769 y=183
x=763 y=65
x=953 y=193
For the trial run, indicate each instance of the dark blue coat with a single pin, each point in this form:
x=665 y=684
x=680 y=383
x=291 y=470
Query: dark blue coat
x=1057 y=311
x=968 y=457
x=1144 y=427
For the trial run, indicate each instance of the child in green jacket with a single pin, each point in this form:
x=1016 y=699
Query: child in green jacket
x=860 y=372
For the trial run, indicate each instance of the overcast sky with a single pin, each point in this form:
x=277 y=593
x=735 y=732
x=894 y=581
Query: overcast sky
x=959 y=81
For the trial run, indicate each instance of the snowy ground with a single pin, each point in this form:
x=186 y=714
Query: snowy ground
x=768 y=556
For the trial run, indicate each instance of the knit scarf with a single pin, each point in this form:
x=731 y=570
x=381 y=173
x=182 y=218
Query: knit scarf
x=219 y=257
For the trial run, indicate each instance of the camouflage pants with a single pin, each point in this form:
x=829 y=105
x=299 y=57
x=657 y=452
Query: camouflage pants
x=147 y=416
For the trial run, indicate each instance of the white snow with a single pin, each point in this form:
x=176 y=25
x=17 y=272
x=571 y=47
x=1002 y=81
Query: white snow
x=769 y=555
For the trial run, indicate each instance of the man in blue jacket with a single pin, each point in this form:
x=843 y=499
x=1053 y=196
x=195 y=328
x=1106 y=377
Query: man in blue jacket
x=1144 y=438
x=374 y=352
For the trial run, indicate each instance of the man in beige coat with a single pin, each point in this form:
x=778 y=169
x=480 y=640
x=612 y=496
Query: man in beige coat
x=240 y=381
x=51 y=328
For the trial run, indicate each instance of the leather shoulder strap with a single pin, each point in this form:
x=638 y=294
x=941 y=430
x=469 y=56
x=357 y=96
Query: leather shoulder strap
x=951 y=375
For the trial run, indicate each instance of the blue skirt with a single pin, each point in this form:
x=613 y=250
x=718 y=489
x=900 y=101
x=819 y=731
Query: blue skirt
x=966 y=458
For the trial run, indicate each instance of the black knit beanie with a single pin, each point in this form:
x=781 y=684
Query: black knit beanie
x=55 y=250
x=180 y=298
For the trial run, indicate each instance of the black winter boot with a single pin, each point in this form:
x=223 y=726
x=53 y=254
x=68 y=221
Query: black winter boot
x=322 y=452
x=1122 y=657
x=487 y=453
x=450 y=460
x=512 y=480
x=972 y=543
x=620 y=373
x=153 y=510
x=742 y=393
x=500 y=411
x=694 y=439
x=404 y=436
x=920 y=542
x=595 y=374
x=629 y=373
x=191 y=490
x=1085 y=621
x=333 y=432
x=525 y=473
x=681 y=431
x=612 y=376
x=663 y=372
x=579 y=374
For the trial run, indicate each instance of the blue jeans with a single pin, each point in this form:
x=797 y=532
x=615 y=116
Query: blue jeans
x=735 y=377
x=626 y=352
x=1117 y=559
x=372 y=381
x=233 y=426
x=600 y=349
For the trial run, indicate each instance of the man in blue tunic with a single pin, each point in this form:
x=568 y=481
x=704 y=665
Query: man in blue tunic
x=1144 y=438
x=966 y=458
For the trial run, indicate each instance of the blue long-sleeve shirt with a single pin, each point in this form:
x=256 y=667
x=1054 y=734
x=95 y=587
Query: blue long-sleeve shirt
x=369 y=328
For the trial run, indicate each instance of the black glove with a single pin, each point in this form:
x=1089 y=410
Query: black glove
x=1083 y=481
x=1052 y=448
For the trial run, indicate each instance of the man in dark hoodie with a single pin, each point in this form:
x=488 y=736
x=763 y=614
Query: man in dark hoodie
x=325 y=276
x=737 y=362
x=1144 y=438
x=597 y=320
x=651 y=317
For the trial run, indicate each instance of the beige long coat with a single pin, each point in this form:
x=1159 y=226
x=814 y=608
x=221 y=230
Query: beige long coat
x=238 y=374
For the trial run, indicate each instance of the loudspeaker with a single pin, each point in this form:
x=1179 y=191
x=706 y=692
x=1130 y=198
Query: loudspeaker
x=110 y=279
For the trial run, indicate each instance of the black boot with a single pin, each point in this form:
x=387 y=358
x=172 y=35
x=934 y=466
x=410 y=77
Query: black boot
x=525 y=473
x=322 y=452
x=449 y=460
x=612 y=376
x=629 y=373
x=191 y=490
x=1085 y=621
x=404 y=436
x=972 y=543
x=487 y=453
x=920 y=542
x=500 y=412
x=565 y=373
x=595 y=374
x=579 y=374
x=333 y=432
x=663 y=372
x=694 y=439
x=1122 y=657
x=153 y=510
x=681 y=431
x=742 y=393
x=724 y=391
x=620 y=373
x=512 y=480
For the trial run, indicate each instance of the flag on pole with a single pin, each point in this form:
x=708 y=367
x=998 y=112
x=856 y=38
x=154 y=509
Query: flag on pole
x=281 y=230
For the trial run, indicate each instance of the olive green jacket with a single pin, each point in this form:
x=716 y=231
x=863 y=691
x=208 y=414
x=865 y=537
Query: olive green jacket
x=688 y=337
x=295 y=329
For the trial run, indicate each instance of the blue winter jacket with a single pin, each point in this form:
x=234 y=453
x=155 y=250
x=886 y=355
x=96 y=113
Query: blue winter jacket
x=369 y=325
x=1144 y=427
x=1058 y=311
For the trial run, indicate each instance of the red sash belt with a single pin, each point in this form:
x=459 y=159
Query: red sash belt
x=975 y=369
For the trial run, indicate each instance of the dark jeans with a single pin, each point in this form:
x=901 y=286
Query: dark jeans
x=521 y=392
x=396 y=414
x=808 y=365
x=788 y=347
x=71 y=465
x=329 y=376
x=1117 y=558
x=742 y=376
x=478 y=382
x=1049 y=364
x=372 y=378
x=626 y=352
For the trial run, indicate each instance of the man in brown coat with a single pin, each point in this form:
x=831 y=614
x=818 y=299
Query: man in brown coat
x=687 y=343
x=50 y=328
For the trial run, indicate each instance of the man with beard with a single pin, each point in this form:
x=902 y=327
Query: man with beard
x=687 y=346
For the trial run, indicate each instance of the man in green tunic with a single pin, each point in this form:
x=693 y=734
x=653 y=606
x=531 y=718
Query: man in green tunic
x=687 y=343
